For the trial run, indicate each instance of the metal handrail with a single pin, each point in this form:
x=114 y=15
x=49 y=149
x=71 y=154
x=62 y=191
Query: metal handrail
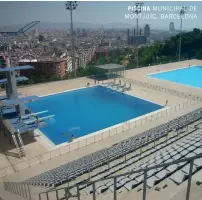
x=145 y=170
x=174 y=92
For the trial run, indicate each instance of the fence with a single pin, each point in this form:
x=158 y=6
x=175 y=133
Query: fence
x=21 y=189
x=93 y=138
x=64 y=192
x=162 y=89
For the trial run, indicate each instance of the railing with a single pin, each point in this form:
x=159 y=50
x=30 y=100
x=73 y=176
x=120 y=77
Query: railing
x=163 y=89
x=20 y=189
x=93 y=138
x=63 y=192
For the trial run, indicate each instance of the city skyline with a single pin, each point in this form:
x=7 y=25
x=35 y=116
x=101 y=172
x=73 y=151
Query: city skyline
x=93 y=13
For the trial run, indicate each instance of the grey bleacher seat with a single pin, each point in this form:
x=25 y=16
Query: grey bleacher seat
x=191 y=148
x=125 y=180
x=133 y=176
x=198 y=144
x=198 y=151
x=189 y=155
x=169 y=160
x=173 y=153
x=184 y=152
x=177 y=156
x=151 y=172
x=159 y=161
x=186 y=168
x=162 y=174
x=198 y=162
x=151 y=181
x=140 y=178
x=129 y=186
x=181 y=164
x=178 y=177
x=172 y=168
x=186 y=145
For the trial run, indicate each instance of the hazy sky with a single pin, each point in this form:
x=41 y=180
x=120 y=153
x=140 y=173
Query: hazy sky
x=91 y=12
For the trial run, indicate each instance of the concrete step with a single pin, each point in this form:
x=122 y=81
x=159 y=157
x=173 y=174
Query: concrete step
x=4 y=195
x=195 y=193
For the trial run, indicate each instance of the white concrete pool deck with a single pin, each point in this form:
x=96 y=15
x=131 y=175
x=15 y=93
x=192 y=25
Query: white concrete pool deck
x=34 y=148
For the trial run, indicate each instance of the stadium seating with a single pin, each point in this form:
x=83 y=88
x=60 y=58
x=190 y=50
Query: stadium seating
x=189 y=146
x=110 y=160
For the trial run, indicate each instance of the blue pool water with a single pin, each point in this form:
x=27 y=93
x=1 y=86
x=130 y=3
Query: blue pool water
x=81 y=112
x=190 y=76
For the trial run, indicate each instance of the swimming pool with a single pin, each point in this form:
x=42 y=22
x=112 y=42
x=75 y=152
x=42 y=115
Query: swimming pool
x=84 y=111
x=190 y=76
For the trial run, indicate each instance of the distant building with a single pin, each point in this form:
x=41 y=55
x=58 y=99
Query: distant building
x=102 y=53
x=140 y=31
x=2 y=61
x=172 y=27
x=41 y=38
x=140 y=40
x=84 y=32
x=134 y=40
x=69 y=64
x=80 y=60
x=128 y=35
x=110 y=44
x=46 y=67
x=147 y=30
x=36 y=33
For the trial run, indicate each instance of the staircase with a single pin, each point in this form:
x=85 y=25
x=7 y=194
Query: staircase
x=19 y=144
x=4 y=195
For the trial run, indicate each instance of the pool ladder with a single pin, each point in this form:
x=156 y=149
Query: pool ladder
x=19 y=144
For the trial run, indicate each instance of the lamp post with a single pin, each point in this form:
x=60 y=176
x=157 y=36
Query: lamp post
x=182 y=12
x=138 y=9
x=71 y=5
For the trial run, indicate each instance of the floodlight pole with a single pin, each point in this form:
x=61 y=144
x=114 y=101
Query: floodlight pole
x=182 y=12
x=72 y=35
x=71 y=5
x=138 y=9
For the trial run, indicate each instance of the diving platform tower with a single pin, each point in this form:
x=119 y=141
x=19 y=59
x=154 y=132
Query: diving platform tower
x=14 y=116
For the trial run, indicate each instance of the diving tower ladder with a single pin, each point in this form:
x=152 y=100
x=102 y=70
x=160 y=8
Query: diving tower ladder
x=19 y=144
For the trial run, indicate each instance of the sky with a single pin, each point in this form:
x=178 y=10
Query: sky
x=95 y=12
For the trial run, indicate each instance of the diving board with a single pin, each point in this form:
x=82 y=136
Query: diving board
x=15 y=126
x=19 y=100
x=4 y=97
x=18 y=79
x=8 y=110
x=40 y=119
x=17 y=68
x=33 y=114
